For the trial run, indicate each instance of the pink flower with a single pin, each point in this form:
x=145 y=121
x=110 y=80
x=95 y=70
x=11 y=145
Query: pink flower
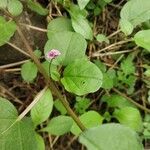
x=52 y=54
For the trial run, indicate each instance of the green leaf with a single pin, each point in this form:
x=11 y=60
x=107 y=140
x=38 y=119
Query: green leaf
x=97 y=10
x=58 y=25
x=7 y=110
x=89 y=119
x=147 y=73
x=38 y=53
x=107 y=116
x=59 y=125
x=115 y=100
x=7 y=30
x=3 y=4
x=42 y=110
x=80 y=24
x=146 y=25
x=131 y=81
x=83 y=3
x=102 y=38
x=111 y=137
x=128 y=80
x=107 y=81
x=91 y=5
x=55 y=75
x=127 y=65
x=71 y=45
x=82 y=77
x=60 y=107
x=77 y=11
x=102 y=3
x=29 y=71
x=36 y=7
x=126 y=26
x=21 y=135
x=142 y=39
x=40 y=142
x=100 y=65
x=136 y=11
x=130 y=117
x=15 y=7
x=81 y=105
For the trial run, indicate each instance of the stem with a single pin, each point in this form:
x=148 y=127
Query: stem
x=112 y=53
x=49 y=82
x=114 y=33
x=14 y=64
x=36 y=99
x=132 y=101
x=113 y=45
x=49 y=69
x=33 y=27
x=18 y=49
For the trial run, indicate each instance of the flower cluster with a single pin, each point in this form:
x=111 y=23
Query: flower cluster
x=52 y=54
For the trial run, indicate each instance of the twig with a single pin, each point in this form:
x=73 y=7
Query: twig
x=59 y=12
x=34 y=27
x=114 y=33
x=111 y=53
x=18 y=49
x=55 y=140
x=50 y=141
x=131 y=100
x=116 y=62
x=10 y=94
x=112 y=45
x=12 y=70
x=36 y=99
x=13 y=64
x=70 y=142
x=49 y=82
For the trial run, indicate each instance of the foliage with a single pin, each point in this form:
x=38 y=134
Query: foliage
x=79 y=22
x=21 y=130
x=82 y=77
x=15 y=7
x=133 y=13
x=59 y=125
x=81 y=105
x=89 y=119
x=102 y=38
x=116 y=101
x=83 y=3
x=108 y=136
x=60 y=107
x=35 y=6
x=29 y=71
x=111 y=87
x=142 y=38
x=7 y=29
x=71 y=45
x=129 y=116
x=58 y=25
x=42 y=110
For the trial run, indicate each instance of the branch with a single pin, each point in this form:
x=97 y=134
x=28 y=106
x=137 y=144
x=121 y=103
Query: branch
x=49 y=82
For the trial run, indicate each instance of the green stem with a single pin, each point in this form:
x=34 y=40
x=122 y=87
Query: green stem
x=49 y=71
x=49 y=82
